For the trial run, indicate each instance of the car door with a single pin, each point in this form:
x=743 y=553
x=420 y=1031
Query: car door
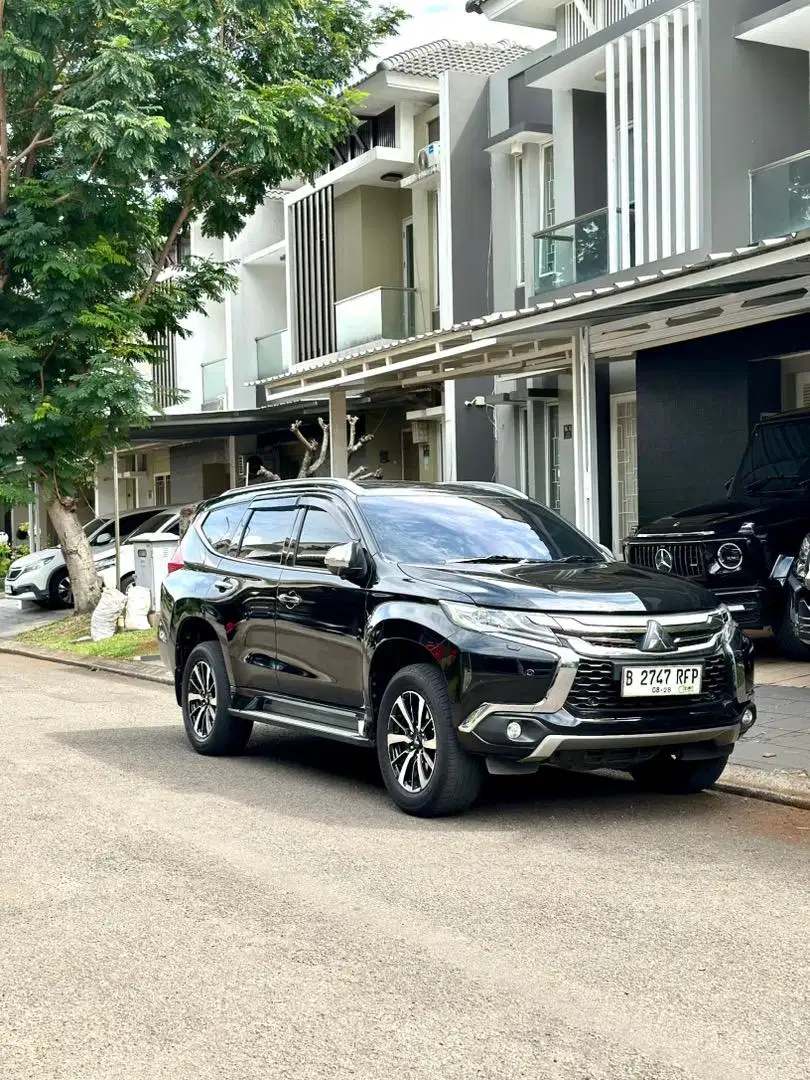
x=246 y=587
x=320 y=617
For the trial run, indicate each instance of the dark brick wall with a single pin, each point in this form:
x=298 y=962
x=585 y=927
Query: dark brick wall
x=697 y=403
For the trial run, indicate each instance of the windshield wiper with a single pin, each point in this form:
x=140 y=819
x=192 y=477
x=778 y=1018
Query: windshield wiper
x=498 y=559
x=579 y=559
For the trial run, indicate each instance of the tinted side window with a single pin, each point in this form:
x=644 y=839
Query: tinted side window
x=134 y=521
x=321 y=531
x=268 y=530
x=219 y=527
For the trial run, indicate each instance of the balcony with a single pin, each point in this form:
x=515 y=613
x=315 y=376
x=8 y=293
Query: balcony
x=780 y=198
x=584 y=18
x=572 y=252
x=214 y=390
x=272 y=354
x=376 y=131
x=375 y=315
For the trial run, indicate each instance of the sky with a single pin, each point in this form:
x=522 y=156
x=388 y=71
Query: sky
x=433 y=19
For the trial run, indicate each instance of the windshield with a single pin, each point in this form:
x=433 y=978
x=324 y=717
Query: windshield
x=94 y=526
x=437 y=527
x=154 y=524
x=777 y=459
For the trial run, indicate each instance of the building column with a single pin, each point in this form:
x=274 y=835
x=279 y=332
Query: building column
x=586 y=471
x=338 y=456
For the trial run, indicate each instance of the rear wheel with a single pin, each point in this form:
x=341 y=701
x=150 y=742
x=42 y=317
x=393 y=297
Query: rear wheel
x=667 y=774
x=206 y=699
x=126 y=581
x=60 y=591
x=425 y=770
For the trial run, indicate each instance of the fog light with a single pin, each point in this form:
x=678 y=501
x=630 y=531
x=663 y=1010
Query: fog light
x=514 y=731
x=747 y=719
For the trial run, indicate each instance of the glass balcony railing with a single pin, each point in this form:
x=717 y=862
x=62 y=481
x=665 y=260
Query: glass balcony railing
x=376 y=315
x=272 y=354
x=214 y=390
x=571 y=252
x=780 y=198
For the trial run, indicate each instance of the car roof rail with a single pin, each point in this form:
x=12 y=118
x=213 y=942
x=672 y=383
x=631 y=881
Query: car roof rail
x=300 y=482
x=487 y=485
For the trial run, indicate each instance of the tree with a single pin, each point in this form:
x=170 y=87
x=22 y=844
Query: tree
x=315 y=452
x=120 y=124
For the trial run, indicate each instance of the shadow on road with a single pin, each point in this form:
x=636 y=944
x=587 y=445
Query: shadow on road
x=309 y=778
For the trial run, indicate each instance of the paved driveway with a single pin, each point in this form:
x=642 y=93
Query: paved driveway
x=14 y=619
x=164 y=915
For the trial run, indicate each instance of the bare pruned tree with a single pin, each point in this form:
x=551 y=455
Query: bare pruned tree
x=315 y=451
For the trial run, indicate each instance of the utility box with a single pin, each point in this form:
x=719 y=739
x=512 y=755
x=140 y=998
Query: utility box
x=152 y=565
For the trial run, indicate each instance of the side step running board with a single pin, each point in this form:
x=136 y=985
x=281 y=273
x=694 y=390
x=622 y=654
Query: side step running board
x=313 y=726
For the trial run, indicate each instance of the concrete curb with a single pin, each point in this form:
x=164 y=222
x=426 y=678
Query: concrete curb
x=131 y=669
x=787 y=788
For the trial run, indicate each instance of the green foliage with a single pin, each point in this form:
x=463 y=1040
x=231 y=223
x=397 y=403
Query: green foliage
x=119 y=125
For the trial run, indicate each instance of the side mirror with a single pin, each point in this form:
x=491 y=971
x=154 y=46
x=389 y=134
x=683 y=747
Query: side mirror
x=347 y=560
x=103 y=540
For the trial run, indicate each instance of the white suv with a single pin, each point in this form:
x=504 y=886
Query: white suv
x=43 y=576
x=164 y=525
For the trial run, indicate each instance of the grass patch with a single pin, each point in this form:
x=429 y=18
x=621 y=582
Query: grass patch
x=62 y=635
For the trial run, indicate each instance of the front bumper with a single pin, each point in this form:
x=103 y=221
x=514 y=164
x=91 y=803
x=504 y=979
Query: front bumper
x=24 y=589
x=576 y=725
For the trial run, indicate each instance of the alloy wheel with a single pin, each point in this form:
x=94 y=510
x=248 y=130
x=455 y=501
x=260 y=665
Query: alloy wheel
x=202 y=699
x=64 y=590
x=411 y=735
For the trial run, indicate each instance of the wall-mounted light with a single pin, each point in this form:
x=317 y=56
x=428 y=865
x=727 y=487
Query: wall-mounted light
x=391 y=177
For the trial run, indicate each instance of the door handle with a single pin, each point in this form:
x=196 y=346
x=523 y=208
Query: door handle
x=289 y=599
x=226 y=584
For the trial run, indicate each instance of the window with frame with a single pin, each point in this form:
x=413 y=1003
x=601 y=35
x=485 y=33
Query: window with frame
x=321 y=531
x=268 y=532
x=219 y=527
x=163 y=489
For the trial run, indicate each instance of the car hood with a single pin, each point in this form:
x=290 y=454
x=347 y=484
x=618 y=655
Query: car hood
x=30 y=560
x=596 y=587
x=727 y=517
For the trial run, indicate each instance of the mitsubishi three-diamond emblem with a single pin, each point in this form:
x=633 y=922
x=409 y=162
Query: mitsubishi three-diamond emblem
x=656 y=639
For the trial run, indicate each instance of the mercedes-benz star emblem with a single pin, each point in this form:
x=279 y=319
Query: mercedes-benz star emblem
x=663 y=560
x=656 y=639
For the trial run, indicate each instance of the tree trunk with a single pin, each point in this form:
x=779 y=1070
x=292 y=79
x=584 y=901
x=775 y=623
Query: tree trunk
x=76 y=549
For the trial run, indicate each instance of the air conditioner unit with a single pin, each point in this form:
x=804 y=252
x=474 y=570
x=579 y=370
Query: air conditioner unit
x=420 y=431
x=428 y=157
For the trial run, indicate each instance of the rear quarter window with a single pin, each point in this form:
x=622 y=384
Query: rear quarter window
x=219 y=527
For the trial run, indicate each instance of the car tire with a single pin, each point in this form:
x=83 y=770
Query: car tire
x=425 y=770
x=206 y=699
x=126 y=581
x=60 y=594
x=788 y=641
x=668 y=775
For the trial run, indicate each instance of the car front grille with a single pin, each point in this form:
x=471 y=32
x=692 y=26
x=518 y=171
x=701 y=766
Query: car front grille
x=688 y=559
x=597 y=691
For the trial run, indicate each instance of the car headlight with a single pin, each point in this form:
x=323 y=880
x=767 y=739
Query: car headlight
x=37 y=564
x=729 y=625
x=803 y=558
x=105 y=564
x=730 y=556
x=500 y=621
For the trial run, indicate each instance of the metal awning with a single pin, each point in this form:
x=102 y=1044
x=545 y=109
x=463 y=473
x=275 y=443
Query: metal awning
x=723 y=291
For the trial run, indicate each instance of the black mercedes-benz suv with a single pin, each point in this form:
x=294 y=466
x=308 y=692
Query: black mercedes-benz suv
x=743 y=546
x=457 y=628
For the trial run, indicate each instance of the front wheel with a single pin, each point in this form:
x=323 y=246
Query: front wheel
x=60 y=591
x=667 y=774
x=425 y=770
x=788 y=640
x=206 y=699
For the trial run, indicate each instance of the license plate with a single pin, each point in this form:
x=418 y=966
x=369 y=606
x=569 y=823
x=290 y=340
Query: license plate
x=663 y=680
x=7 y=590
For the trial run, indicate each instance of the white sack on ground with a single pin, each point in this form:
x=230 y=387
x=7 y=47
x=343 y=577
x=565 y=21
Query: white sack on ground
x=139 y=603
x=104 y=619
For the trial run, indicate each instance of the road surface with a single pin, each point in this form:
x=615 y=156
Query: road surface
x=273 y=916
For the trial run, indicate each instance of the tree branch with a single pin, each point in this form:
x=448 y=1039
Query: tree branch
x=35 y=144
x=355 y=444
x=163 y=258
x=324 y=448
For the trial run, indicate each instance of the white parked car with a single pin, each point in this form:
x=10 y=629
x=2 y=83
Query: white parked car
x=163 y=525
x=43 y=576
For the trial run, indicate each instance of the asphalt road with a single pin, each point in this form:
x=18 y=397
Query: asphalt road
x=273 y=916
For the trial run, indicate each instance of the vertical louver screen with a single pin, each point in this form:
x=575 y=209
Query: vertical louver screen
x=313 y=249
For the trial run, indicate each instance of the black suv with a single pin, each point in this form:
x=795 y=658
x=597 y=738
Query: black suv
x=743 y=546
x=456 y=627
